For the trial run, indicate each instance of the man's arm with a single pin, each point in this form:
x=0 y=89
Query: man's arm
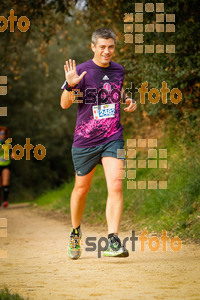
x=67 y=99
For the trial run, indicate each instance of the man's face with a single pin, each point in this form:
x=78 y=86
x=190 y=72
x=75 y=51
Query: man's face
x=103 y=51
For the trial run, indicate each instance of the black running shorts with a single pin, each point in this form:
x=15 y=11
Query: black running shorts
x=85 y=159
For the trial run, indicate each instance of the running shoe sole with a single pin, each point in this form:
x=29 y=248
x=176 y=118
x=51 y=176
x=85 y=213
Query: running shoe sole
x=120 y=253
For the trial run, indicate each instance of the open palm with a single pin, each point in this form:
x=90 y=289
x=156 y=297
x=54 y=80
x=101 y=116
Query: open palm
x=71 y=75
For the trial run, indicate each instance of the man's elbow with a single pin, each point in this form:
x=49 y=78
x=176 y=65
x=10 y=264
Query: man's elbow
x=63 y=99
x=63 y=105
x=63 y=102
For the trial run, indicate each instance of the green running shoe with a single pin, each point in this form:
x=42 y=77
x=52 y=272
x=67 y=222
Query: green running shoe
x=74 y=249
x=115 y=248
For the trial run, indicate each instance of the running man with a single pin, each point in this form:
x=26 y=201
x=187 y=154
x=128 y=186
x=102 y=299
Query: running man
x=4 y=167
x=98 y=134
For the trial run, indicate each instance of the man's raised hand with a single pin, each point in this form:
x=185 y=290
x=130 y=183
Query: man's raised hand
x=71 y=75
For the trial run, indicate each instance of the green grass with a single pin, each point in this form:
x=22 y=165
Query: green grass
x=5 y=295
x=175 y=209
x=58 y=198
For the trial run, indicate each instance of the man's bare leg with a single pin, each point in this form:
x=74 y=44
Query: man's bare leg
x=5 y=177
x=78 y=197
x=5 y=185
x=114 y=207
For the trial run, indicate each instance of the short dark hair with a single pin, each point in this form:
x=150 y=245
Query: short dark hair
x=104 y=33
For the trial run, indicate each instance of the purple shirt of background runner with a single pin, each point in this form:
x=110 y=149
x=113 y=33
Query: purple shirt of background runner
x=99 y=86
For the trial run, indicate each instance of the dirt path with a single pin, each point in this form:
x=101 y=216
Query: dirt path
x=37 y=265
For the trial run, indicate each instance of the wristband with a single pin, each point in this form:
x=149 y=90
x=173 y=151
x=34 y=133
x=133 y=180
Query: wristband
x=69 y=88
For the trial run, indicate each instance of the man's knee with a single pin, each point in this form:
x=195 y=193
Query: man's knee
x=115 y=186
x=81 y=190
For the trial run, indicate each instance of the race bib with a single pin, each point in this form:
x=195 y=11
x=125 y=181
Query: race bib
x=104 y=111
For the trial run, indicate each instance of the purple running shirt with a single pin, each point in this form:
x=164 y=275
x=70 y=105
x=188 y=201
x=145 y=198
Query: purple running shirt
x=98 y=117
